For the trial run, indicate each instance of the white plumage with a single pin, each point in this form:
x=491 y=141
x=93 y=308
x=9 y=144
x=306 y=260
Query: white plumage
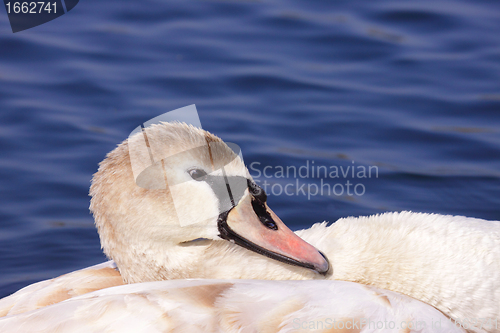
x=235 y=306
x=448 y=263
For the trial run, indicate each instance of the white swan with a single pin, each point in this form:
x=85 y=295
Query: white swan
x=450 y=263
x=235 y=306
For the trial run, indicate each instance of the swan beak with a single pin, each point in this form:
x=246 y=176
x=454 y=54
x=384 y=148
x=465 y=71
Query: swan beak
x=253 y=225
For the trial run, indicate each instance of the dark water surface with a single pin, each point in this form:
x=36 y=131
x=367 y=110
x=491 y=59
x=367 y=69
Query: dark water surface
x=410 y=89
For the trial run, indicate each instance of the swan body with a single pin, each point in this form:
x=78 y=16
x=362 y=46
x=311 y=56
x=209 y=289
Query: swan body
x=235 y=306
x=450 y=263
x=44 y=293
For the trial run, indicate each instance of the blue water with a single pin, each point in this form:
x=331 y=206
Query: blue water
x=409 y=88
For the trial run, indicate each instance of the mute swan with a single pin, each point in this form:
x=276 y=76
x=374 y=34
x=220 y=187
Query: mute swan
x=451 y=263
x=235 y=306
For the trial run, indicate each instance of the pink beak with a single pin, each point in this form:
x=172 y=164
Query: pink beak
x=253 y=225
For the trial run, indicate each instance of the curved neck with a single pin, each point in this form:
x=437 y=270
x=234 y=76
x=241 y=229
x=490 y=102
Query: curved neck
x=206 y=260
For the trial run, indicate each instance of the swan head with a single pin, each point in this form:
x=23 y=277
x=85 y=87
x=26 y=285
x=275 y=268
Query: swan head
x=171 y=190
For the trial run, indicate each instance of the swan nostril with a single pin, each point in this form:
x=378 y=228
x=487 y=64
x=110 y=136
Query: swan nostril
x=256 y=191
x=263 y=215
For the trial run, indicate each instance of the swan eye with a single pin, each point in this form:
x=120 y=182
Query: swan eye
x=197 y=174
